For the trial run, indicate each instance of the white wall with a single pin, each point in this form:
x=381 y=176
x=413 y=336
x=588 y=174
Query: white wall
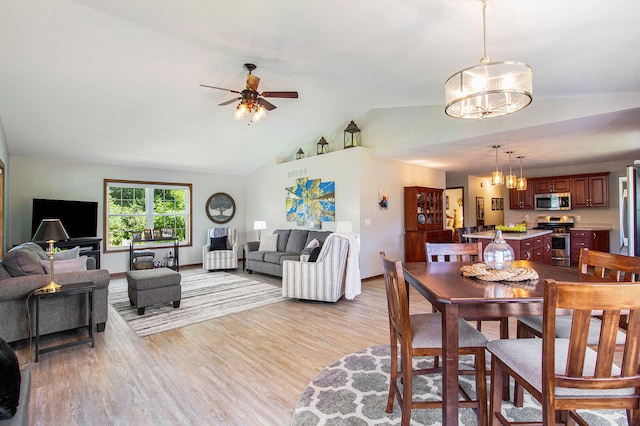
x=4 y=156
x=37 y=178
x=358 y=176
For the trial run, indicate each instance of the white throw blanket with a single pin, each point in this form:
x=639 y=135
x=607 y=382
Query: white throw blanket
x=353 y=284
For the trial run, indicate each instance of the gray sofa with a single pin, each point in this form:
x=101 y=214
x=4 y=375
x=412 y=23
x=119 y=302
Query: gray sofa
x=21 y=273
x=291 y=243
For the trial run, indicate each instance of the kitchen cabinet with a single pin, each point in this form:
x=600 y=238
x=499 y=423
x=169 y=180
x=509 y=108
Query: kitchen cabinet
x=553 y=184
x=534 y=246
x=423 y=221
x=521 y=199
x=590 y=191
x=542 y=249
x=591 y=239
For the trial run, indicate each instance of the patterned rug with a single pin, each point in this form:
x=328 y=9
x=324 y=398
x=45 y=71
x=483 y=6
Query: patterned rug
x=205 y=295
x=354 y=390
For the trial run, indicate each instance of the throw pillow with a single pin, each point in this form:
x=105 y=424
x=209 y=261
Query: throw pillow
x=22 y=262
x=309 y=248
x=69 y=265
x=314 y=254
x=73 y=253
x=9 y=381
x=269 y=243
x=218 y=243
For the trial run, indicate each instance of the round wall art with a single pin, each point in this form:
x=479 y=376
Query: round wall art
x=220 y=207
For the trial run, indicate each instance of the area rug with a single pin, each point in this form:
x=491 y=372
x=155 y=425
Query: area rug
x=354 y=390
x=205 y=295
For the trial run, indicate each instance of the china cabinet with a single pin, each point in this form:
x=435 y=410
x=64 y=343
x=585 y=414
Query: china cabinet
x=423 y=221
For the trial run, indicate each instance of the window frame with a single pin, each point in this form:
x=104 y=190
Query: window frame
x=151 y=186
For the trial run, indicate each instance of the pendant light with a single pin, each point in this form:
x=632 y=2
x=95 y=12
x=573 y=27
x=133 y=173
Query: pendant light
x=491 y=89
x=521 y=185
x=511 y=179
x=497 y=178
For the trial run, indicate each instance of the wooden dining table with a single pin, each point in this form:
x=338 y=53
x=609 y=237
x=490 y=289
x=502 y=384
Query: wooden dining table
x=457 y=296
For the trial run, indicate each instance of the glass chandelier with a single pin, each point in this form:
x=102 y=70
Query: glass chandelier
x=491 y=89
x=497 y=178
x=521 y=185
x=511 y=179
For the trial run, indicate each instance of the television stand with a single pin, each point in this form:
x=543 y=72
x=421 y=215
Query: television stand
x=88 y=246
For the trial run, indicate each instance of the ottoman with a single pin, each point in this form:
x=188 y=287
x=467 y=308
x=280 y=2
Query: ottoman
x=150 y=286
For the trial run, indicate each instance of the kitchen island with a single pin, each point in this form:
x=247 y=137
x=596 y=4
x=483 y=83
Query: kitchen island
x=534 y=244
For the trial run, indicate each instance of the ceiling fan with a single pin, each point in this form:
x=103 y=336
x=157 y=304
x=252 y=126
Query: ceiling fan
x=250 y=99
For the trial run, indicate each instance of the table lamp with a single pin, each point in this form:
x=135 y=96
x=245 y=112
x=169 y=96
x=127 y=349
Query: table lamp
x=51 y=230
x=259 y=225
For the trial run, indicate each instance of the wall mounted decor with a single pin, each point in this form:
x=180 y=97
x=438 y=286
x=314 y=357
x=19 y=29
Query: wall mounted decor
x=383 y=199
x=310 y=202
x=220 y=207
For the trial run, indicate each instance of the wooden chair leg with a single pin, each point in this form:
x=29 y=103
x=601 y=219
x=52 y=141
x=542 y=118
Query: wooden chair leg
x=495 y=401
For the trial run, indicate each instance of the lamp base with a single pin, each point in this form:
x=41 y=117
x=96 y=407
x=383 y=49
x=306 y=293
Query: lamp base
x=51 y=287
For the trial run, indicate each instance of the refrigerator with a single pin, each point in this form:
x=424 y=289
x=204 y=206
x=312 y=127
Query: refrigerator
x=629 y=193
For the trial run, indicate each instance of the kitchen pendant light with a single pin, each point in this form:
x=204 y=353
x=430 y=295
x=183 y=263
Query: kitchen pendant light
x=521 y=185
x=491 y=89
x=497 y=178
x=511 y=179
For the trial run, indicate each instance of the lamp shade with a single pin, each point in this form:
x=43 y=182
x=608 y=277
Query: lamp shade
x=259 y=225
x=50 y=230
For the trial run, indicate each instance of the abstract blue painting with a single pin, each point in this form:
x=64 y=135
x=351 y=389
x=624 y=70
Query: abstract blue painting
x=310 y=202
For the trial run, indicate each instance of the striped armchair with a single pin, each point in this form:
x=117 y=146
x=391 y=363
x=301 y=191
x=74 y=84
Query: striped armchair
x=323 y=280
x=220 y=259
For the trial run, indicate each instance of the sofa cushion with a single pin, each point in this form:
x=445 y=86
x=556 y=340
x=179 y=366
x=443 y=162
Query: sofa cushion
x=22 y=262
x=297 y=241
x=268 y=243
x=258 y=256
x=321 y=236
x=4 y=274
x=314 y=254
x=9 y=381
x=67 y=265
x=278 y=257
x=283 y=237
x=73 y=253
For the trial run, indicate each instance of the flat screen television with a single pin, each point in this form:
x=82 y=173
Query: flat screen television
x=79 y=218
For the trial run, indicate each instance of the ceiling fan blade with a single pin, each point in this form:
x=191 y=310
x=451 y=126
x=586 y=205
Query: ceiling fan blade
x=252 y=82
x=266 y=104
x=279 y=94
x=230 y=101
x=219 y=88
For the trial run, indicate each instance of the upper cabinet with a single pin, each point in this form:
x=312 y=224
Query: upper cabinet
x=423 y=208
x=590 y=191
x=521 y=199
x=545 y=185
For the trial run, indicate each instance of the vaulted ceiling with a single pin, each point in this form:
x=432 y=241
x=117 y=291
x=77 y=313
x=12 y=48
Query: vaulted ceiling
x=117 y=81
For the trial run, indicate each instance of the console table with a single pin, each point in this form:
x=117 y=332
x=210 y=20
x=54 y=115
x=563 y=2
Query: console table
x=176 y=250
x=88 y=247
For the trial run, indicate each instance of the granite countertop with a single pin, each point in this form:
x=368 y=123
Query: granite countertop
x=510 y=235
x=592 y=228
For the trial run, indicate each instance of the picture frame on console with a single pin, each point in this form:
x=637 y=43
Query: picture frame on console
x=157 y=233
x=136 y=235
x=147 y=234
x=167 y=232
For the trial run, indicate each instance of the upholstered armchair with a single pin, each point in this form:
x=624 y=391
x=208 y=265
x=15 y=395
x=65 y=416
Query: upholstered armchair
x=221 y=251
x=323 y=280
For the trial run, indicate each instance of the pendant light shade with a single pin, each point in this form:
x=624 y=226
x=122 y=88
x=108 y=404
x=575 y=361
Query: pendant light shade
x=497 y=178
x=521 y=185
x=511 y=179
x=490 y=89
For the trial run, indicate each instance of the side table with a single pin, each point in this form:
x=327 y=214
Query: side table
x=66 y=290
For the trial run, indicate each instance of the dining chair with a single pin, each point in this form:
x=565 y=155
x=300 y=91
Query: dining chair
x=608 y=266
x=462 y=252
x=567 y=374
x=420 y=335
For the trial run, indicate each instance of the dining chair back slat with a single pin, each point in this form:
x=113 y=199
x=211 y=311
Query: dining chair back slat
x=454 y=252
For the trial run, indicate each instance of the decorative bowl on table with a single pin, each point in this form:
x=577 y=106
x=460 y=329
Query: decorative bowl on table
x=520 y=228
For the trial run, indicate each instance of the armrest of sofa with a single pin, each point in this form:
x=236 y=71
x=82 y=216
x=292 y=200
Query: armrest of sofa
x=16 y=288
x=251 y=246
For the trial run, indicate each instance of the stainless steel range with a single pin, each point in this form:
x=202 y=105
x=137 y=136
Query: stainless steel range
x=560 y=239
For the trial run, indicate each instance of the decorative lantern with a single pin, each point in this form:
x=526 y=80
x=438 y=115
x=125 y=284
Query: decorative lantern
x=351 y=135
x=498 y=254
x=299 y=154
x=322 y=146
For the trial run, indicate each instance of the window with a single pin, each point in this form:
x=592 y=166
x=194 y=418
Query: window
x=133 y=206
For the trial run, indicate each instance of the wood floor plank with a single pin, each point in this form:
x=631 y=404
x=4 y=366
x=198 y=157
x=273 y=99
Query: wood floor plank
x=245 y=368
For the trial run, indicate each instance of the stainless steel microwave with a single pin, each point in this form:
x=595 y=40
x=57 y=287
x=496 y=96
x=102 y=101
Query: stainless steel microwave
x=558 y=201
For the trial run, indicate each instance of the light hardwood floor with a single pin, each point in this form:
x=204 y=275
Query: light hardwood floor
x=243 y=369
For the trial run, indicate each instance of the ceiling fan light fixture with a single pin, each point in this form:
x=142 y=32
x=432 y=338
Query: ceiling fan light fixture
x=259 y=114
x=491 y=89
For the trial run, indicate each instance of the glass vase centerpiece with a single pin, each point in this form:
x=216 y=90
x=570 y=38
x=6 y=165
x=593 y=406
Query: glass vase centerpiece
x=498 y=255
